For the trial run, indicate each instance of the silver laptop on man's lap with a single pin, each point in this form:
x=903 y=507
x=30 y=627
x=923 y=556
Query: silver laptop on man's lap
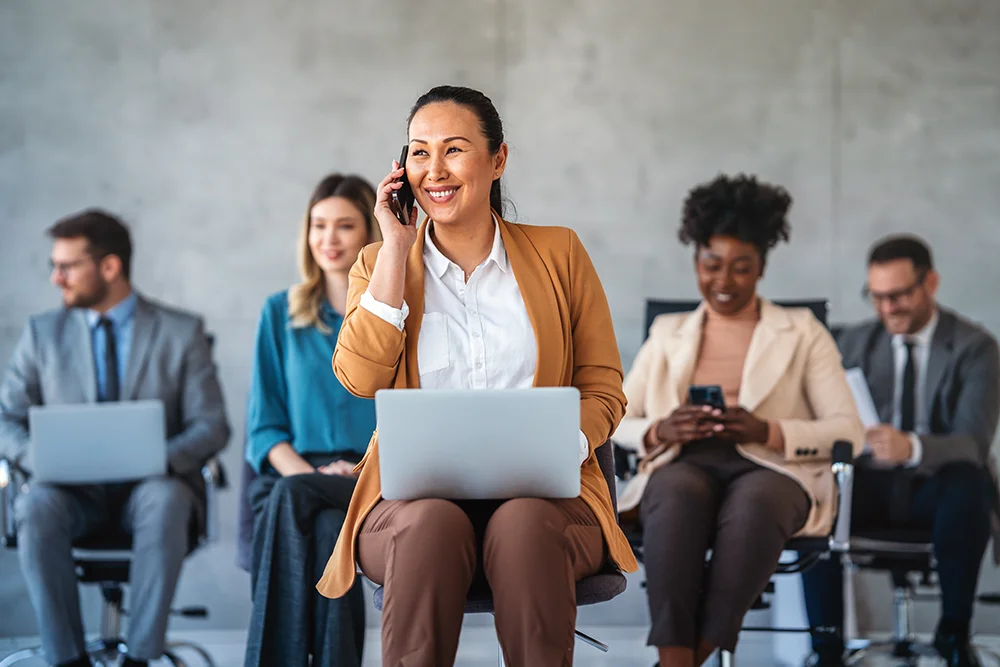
x=96 y=443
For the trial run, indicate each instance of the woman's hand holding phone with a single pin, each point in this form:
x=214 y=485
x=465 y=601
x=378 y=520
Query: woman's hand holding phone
x=686 y=424
x=396 y=238
x=389 y=275
x=739 y=426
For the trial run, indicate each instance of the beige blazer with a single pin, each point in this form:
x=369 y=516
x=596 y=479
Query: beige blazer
x=792 y=375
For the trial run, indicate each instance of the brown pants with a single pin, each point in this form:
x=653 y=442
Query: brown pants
x=711 y=497
x=429 y=554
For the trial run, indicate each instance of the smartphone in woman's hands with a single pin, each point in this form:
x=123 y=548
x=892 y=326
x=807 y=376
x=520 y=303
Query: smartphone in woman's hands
x=402 y=198
x=707 y=394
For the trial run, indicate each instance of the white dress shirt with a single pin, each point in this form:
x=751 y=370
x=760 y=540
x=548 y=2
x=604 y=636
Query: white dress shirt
x=475 y=334
x=921 y=358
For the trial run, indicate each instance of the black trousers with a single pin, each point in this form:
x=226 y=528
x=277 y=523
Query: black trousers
x=954 y=504
x=297 y=520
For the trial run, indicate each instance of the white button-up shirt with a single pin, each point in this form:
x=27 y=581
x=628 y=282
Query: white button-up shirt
x=475 y=334
x=921 y=358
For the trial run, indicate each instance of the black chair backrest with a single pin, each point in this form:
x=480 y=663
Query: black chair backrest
x=656 y=307
x=245 y=518
x=606 y=459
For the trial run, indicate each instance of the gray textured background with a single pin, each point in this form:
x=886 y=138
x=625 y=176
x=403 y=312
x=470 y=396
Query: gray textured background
x=206 y=125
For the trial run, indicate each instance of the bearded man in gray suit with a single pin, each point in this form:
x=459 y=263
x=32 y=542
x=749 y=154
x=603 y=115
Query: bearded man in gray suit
x=107 y=344
x=934 y=378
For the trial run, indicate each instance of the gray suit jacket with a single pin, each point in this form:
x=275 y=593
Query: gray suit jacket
x=962 y=391
x=170 y=360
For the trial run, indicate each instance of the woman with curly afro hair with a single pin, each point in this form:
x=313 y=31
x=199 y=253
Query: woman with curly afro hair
x=741 y=478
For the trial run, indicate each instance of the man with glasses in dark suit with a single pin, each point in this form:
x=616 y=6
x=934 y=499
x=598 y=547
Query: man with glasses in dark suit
x=108 y=343
x=935 y=380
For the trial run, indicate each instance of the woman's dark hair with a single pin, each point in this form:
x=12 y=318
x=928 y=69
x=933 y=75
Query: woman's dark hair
x=739 y=206
x=105 y=235
x=489 y=122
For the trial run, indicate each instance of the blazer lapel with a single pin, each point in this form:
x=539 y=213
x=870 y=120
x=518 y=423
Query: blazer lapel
x=143 y=332
x=881 y=375
x=937 y=364
x=413 y=294
x=772 y=347
x=538 y=292
x=684 y=349
x=82 y=339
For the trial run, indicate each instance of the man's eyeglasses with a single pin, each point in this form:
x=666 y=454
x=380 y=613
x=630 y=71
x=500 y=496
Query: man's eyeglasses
x=62 y=268
x=895 y=296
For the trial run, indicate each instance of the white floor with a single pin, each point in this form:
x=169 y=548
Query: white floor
x=478 y=648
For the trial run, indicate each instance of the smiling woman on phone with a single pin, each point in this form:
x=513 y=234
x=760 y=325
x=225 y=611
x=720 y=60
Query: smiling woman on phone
x=467 y=300
x=745 y=478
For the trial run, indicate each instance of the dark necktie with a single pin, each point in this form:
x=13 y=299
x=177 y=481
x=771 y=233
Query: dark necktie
x=899 y=501
x=111 y=392
x=908 y=402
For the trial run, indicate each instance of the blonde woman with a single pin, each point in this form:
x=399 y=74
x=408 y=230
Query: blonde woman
x=305 y=433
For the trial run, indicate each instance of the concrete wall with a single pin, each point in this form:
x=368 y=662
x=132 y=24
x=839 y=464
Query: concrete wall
x=206 y=125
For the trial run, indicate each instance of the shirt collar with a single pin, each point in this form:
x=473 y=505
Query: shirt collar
x=439 y=264
x=328 y=311
x=923 y=337
x=119 y=314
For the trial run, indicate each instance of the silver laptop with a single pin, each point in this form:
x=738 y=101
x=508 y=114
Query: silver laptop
x=479 y=444
x=96 y=443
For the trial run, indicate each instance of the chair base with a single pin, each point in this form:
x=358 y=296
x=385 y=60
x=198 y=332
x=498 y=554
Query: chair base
x=206 y=658
x=20 y=656
x=108 y=653
x=599 y=645
x=908 y=652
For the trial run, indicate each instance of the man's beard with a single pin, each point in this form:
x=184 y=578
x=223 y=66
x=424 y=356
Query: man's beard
x=88 y=299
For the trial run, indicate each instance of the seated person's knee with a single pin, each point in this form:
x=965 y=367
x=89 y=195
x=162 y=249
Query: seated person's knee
x=967 y=487
x=437 y=521
x=40 y=507
x=673 y=486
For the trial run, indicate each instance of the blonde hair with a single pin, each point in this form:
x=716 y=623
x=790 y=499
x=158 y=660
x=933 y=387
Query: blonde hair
x=306 y=297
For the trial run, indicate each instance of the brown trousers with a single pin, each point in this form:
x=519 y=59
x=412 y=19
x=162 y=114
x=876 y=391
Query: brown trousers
x=711 y=497
x=429 y=554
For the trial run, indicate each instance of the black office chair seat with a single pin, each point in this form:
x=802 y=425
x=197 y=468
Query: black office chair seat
x=904 y=535
x=109 y=542
x=103 y=559
x=808 y=544
x=906 y=545
x=597 y=588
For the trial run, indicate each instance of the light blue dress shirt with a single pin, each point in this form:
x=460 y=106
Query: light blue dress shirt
x=122 y=318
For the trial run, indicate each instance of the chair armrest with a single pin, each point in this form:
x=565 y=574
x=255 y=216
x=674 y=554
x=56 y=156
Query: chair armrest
x=12 y=477
x=626 y=461
x=215 y=480
x=843 y=475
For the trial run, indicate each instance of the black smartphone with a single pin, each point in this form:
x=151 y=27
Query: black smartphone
x=402 y=198
x=707 y=394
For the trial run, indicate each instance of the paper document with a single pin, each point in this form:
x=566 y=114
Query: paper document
x=863 y=398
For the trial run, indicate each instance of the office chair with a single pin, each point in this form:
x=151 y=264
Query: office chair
x=908 y=556
x=104 y=560
x=601 y=587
